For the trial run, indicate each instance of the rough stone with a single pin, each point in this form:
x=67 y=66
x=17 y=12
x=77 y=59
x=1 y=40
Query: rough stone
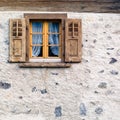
x=4 y=85
x=98 y=110
x=58 y=111
x=102 y=71
x=102 y=85
x=83 y=110
x=34 y=89
x=113 y=60
x=43 y=91
x=114 y=72
x=110 y=48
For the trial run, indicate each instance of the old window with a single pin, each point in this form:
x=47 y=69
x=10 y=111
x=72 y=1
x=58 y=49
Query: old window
x=45 y=40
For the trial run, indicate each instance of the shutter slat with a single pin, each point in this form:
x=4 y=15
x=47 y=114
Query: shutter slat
x=73 y=38
x=17 y=40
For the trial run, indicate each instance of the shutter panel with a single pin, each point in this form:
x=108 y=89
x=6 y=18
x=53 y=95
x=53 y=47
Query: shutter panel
x=73 y=40
x=17 y=40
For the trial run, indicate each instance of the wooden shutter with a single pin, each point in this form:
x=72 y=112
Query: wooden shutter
x=17 y=40
x=73 y=38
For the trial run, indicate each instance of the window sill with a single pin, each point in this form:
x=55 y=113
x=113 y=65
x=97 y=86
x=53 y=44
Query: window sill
x=44 y=65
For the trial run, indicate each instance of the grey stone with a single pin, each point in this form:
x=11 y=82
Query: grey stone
x=113 y=72
x=108 y=53
x=54 y=73
x=96 y=92
x=98 y=110
x=5 y=85
x=94 y=41
x=110 y=48
x=7 y=42
x=20 y=97
x=113 y=60
x=83 y=109
x=56 y=83
x=43 y=91
x=34 y=89
x=102 y=71
x=58 y=112
x=102 y=85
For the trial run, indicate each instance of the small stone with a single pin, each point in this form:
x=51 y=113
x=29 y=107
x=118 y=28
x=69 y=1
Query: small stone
x=43 y=91
x=110 y=48
x=102 y=85
x=98 y=110
x=54 y=73
x=113 y=60
x=94 y=41
x=58 y=112
x=7 y=42
x=96 y=92
x=34 y=89
x=102 y=71
x=20 y=97
x=57 y=83
x=113 y=72
x=5 y=85
x=108 y=53
x=83 y=109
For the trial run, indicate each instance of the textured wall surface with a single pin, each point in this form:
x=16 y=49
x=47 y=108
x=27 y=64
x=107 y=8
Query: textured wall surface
x=89 y=90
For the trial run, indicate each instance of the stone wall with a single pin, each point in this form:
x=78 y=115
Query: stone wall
x=89 y=90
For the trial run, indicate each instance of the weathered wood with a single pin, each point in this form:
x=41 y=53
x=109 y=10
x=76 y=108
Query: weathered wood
x=44 y=65
x=62 y=5
x=17 y=40
x=73 y=38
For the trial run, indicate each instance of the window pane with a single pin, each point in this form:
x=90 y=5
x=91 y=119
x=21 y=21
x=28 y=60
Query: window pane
x=37 y=26
x=53 y=27
x=37 y=51
x=53 y=51
x=36 y=39
x=53 y=39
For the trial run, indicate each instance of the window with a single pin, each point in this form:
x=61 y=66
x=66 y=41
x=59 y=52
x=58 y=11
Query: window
x=45 y=40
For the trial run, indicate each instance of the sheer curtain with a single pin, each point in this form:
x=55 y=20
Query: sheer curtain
x=54 y=38
x=36 y=38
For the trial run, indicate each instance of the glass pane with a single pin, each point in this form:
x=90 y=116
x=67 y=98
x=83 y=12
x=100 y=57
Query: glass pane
x=75 y=25
x=53 y=39
x=53 y=27
x=37 y=26
x=70 y=25
x=53 y=51
x=37 y=39
x=37 y=51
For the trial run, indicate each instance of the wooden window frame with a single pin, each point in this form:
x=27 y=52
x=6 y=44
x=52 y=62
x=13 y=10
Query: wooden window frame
x=45 y=33
x=61 y=18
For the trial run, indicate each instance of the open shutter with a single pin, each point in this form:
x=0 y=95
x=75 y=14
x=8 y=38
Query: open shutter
x=73 y=40
x=17 y=40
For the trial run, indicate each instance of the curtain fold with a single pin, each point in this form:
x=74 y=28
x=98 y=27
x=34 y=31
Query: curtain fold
x=54 y=38
x=36 y=38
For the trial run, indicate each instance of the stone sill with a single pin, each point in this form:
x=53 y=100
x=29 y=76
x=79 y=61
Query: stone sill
x=44 y=65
